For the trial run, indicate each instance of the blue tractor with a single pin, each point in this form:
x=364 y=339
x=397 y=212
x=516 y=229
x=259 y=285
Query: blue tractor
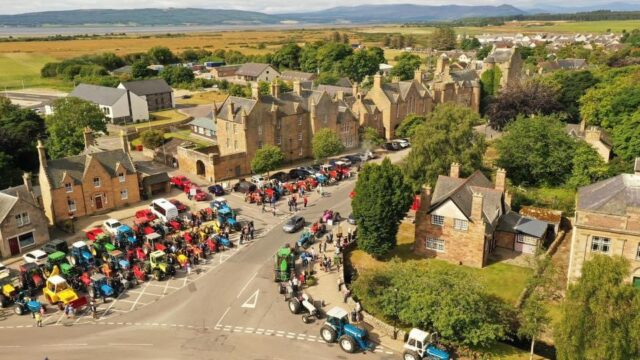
x=350 y=337
x=81 y=255
x=24 y=304
x=226 y=216
x=421 y=345
x=125 y=236
x=100 y=288
x=306 y=239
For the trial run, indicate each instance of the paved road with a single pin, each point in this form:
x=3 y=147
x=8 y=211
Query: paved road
x=30 y=100
x=232 y=312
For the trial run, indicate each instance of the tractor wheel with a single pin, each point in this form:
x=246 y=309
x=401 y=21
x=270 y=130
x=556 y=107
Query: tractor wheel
x=18 y=310
x=347 y=344
x=294 y=306
x=157 y=275
x=410 y=355
x=4 y=302
x=49 y=299
x=328 y=334
x=307 y=319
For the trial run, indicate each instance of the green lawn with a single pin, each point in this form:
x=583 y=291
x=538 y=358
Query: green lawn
x=23 y=69
x=559 y=198
x=503 y=280
x=180 y=134
x=161 y=118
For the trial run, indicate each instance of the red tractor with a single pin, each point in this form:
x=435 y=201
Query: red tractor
x=94 y=233
x=180 y=181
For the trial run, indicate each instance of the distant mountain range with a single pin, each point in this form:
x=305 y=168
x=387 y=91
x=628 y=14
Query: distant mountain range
x=395 y=13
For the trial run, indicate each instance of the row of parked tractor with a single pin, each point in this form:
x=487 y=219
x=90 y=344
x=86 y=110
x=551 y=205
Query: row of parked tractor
x=115 y=256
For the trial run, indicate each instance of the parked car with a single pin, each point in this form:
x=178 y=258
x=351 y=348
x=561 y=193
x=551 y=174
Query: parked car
x=216 y=190
x=280 y=176
x=257 y=179
x=354 y=159
x=180 y=181
x=179 y=205
x=367 y=155
x=299 y=174
x=391 y=146
x=403 y=143
x=243 y=186
x=294 y=224
x=4 y=271
x=37 y=257
x=56 y=245
x=111 y=226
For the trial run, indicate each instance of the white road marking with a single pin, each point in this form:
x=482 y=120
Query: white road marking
x=63 y=345
x=138 y=298
x=123 y=344
x=247 y=284
x=252 y=300
x=223 y=315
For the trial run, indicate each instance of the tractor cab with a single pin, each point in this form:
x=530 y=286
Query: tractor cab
x=226 y=216
x=58 y=290
x=8 y=291
x=57 y=260
x=99 y=287
x=81 y=255
x=159 y=266
x=337 y=328
x=125 y=236
x=420 y=344
x=284 y=264
x=102 y=245
x=31 y=276
x=153 y=241
x=219 y=203
x=118 y=261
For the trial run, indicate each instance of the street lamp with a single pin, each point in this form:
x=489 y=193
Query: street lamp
x=395 y=316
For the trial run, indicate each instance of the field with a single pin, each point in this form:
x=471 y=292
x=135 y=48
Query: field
x=19 y=70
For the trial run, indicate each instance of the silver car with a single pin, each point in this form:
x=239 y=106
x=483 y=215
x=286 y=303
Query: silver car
x=294 y=224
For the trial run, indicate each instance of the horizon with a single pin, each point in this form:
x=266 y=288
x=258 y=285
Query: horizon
x=275 y=7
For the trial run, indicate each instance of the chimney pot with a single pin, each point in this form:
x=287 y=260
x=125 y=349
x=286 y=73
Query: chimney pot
x=454 y=172
x=501 y=179
x=88 y=137
x=42 y=155
x=476 y=207
x=377 y=81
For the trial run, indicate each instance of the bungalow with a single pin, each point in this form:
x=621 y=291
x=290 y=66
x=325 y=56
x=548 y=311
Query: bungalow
x=204 y=126
x=117 y=104
x=221 y=72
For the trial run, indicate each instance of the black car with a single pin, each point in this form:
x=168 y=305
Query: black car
x=216 y=190
x=296 y=174
x=391 y=146
x=354 y=159
x=244 y=186
x=280 y=176
x=56 y=245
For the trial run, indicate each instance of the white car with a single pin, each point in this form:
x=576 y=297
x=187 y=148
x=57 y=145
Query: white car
x=404 y=143
x=4 y=271
x=258 y=180
x=111 y=226
x=37 y=257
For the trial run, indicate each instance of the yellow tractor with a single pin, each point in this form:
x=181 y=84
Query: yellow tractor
x=58 y=291
x=8 y=291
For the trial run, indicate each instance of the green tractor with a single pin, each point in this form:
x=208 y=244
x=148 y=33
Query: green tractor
x=58 y=260
x=158 y=265
x=102 y=246
x=284 y=264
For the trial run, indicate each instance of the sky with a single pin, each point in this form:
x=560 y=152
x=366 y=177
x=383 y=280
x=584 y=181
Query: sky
x=268 y=6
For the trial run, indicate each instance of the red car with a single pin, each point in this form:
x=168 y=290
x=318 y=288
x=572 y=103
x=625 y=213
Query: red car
x=180 y=181
x=180 y=206
x=93 y=233
x=199 y=196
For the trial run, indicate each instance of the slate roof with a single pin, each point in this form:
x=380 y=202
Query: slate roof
x=297 y=75
x=460 y=191
x=252 y=69
x=74 y=166
x=500 y=55
x=344 y=82
x=203 y=122
x=101 y=95
x=239 y=104
x=464 y=75
x=611 y=196
x=515 y=223
x=155 y=179
x=9 y=197
x=333 y=89
x=6 y=204
x=147 y=87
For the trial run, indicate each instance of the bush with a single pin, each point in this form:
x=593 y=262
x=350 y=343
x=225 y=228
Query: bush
x=152 y=138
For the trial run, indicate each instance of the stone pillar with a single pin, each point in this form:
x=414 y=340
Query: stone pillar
x=454 y=172
x=377 y=81
x=418 y=75
x=340 y=95
x=275 y=89
x=355 y=88
x=255 y=91
x=26 y=179
x=501 y=179
x=297 y=87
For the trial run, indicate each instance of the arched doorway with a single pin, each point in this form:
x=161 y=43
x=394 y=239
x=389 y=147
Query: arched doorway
x=200 y=168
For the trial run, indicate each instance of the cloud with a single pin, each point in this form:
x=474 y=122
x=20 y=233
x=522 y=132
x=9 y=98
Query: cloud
x=269 y=6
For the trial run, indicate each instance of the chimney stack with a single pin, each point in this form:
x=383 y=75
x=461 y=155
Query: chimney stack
x=501 y=179
x=42 y=155
x=297 y=87
x=425 y=202
x=340 y=95
x=418 y=75
x=377 y=81
x=124 y=140
x=454 y=172
x=275 y=89
x=255 y=91
x=355 y=88
x=476 y=207
x=507 y=198
x=26 y=179
x=88 y=137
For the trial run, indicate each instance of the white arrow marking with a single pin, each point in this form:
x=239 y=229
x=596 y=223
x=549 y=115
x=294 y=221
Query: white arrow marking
x=251 y=301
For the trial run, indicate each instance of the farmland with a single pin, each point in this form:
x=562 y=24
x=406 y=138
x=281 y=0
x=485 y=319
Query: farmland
x=22 y=69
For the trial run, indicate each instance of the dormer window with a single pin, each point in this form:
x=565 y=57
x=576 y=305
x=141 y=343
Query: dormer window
x=121 y=177
x=68 y=187
x=96 y=181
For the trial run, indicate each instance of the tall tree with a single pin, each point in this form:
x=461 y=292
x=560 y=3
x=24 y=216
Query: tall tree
x=571 y=86
x=326 y=143
x=381 y=202
x=267 y=159
x=534 y=151
x=449 y=137
x=443 y=38
x=530 y=98
x=162 y=55
x=19 y=131
x=409 y=124
x=600 y=314
x=406 y=65
x=617 y=96
x=309 y=57
x=174 y=75
x=588 y=166
x=626 y=137
x=359 y=65
x=470 y=43
x=331 y=54
x=288 y=56
x=66 y=126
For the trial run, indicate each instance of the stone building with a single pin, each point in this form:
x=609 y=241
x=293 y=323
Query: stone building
x=255 y=72
x=93 y=182
x=607 y=222
x=23 y=225
x=457 y=222
x=594 y=136
x=509 y=62
x=287 y=120
x=461 y=87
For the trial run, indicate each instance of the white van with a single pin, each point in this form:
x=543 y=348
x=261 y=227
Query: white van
x=164 y=209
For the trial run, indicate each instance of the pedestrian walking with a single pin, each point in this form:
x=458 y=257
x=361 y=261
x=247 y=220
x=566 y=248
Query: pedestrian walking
x=274 y=210
x=339 y=283
x=324 y=246
x=188 y=269
x=38 y=318
x=263 y=206
x=304 y=201
x=94 y=309
x=251 y=229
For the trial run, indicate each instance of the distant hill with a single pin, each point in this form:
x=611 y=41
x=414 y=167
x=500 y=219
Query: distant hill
x=402 y=13
x=554 y=9
x=140 y=17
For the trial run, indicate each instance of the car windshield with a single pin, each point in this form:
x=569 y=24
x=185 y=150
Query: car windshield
x=291 y=221
x=115 y=224
x=62 y=286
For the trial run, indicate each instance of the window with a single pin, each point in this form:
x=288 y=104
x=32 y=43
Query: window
x=300 y=152
x=106 y=110
x=22 y=219
x=326 y=118
x=460 y=224
x=260 y=130
x=235 y=144
x=228 y=143
x=435 y=244
x=121 y=177
x=260 y=144
x=600 y=244
x=300 y=136
x=124 y=194
x=437 y=220
x=300 y=120
x=235 y=129
x=72 y=205
x=26 y=240
x=638 y=252
x=96 y=181
x=278 y=123
x=68 y=187
x=279 y=140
